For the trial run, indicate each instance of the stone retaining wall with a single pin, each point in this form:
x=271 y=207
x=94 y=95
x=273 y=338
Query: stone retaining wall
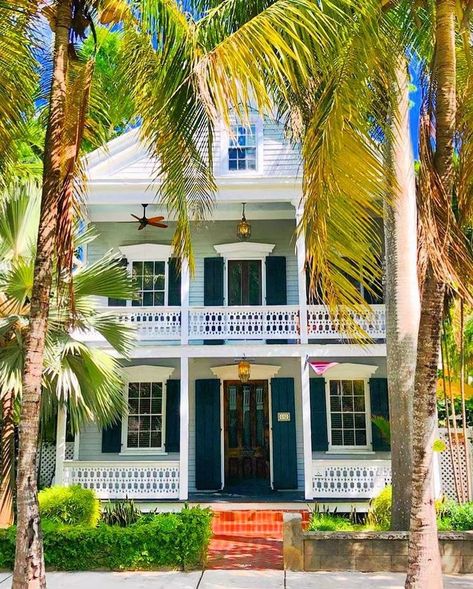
x=366 y=551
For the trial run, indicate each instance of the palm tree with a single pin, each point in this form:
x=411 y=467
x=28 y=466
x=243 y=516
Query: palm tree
x=402 y=299
x=86 y=380
x=168 y=47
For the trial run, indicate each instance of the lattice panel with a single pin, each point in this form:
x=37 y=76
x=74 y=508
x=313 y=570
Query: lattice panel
x=155 y=323
x=446 y=467
x=244 y=323
x=47 y=462
x=352 y=480
x=322 y=326
x=120 y=480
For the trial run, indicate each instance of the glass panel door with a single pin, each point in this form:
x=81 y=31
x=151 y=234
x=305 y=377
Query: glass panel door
x=244 y=282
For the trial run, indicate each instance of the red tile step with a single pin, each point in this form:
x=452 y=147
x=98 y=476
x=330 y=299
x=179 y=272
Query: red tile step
x=248 y=539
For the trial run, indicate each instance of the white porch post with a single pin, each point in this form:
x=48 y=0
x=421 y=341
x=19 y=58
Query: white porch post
x=306 y=429
x=301 y=259
x=185 y=287
x=60 y=444
x=184 y=433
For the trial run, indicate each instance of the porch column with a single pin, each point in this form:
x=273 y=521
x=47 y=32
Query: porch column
x=306 y=429
x=301 y=275
x=60 y=444
x=184 y=432
x=185 y=286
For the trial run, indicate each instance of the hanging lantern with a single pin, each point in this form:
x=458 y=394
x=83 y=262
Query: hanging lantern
x=243 y=227
x=244 y=370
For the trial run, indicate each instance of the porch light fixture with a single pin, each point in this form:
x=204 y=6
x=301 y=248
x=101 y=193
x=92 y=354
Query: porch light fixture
x=243 y=227
x=244 y=370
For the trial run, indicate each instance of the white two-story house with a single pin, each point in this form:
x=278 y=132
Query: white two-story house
x=238 y=385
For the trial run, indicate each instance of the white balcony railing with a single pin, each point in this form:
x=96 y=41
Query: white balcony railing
x=118 y=480
x=243 y=323
x=354 y=479
x=161 y=323
x=248 y=323
x=320 y=325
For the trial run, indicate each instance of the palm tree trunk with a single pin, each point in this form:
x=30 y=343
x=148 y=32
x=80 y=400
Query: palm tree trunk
x=7 y=460
x=424 y=565
x=402 y=300
x=29 y=572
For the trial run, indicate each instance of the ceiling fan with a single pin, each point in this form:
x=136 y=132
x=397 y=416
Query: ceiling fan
x=153 y=221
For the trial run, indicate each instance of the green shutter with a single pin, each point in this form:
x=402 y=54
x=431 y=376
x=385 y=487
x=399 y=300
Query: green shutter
x=284 y=433
x=213 y=282
x=173 y=412
x=112 y=438
x=174 y=283
x=119 y=302
x=276 y=283
x=379 y=408
x=318 y=415
x=276 y=286
x=208 y=474
x=213 y=287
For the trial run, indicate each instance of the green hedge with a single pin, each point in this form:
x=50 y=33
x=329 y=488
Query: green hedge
x=174 y=540
x=73 y=506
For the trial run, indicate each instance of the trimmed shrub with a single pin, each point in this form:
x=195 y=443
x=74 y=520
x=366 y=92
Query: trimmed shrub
x=325 y=522
x=458 y=517
x=171 y=540
x=69 y=505
x=379 y=512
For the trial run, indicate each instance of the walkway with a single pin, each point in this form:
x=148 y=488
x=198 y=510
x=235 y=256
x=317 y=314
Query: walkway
x=233 y=580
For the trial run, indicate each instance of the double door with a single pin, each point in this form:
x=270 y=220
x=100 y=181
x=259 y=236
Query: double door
x=246 y=420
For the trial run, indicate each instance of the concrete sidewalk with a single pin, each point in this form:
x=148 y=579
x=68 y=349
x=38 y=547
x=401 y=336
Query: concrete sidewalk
x=233 y=580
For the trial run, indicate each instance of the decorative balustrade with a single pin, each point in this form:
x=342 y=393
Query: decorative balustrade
x=118 y=480
x=248 y=323
x=354 y=479
x=243 y=323
x=321 y=325
x=162 y=323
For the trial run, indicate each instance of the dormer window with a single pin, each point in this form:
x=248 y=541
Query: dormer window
x=242 y=148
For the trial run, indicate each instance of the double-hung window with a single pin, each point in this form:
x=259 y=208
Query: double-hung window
x=145 y=415
x=242 y=148
x=150 y=278
x=348 y=413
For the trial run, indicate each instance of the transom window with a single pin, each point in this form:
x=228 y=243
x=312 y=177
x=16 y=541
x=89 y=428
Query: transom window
x=151 y=281
x=242 y=148
x=145 y=415
x=348 y=413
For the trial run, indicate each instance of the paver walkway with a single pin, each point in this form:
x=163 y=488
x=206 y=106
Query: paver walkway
x=234 y=580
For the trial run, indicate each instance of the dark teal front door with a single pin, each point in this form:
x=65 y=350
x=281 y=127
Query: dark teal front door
x=208 y=472
x=284 y=433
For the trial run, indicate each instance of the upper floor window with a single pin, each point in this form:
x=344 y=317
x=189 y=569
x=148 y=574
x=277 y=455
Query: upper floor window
x=150 y=279
x=348 y=413
x=242 y=148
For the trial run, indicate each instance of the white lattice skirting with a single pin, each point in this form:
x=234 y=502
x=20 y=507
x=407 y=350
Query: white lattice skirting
x=352 y=479
x=446 y=467
x=146 y=480
x=47 y=461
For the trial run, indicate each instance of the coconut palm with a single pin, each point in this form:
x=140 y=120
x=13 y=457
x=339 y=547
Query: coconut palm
x=84 y=379
x=176 y=128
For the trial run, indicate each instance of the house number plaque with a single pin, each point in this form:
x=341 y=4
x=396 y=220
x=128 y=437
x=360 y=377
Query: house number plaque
x=284 y=416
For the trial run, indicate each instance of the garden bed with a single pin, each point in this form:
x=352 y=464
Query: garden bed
x=366 y=551
x=167 y=540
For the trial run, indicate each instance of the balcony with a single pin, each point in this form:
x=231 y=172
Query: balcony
x=280 y=322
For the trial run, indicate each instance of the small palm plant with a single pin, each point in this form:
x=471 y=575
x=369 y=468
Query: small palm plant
x=84 y=378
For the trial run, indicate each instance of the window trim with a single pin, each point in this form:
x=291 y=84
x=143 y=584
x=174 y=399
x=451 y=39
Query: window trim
x=148 y=252
x=349 y=371
x=225 y=145
x=145 y=374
